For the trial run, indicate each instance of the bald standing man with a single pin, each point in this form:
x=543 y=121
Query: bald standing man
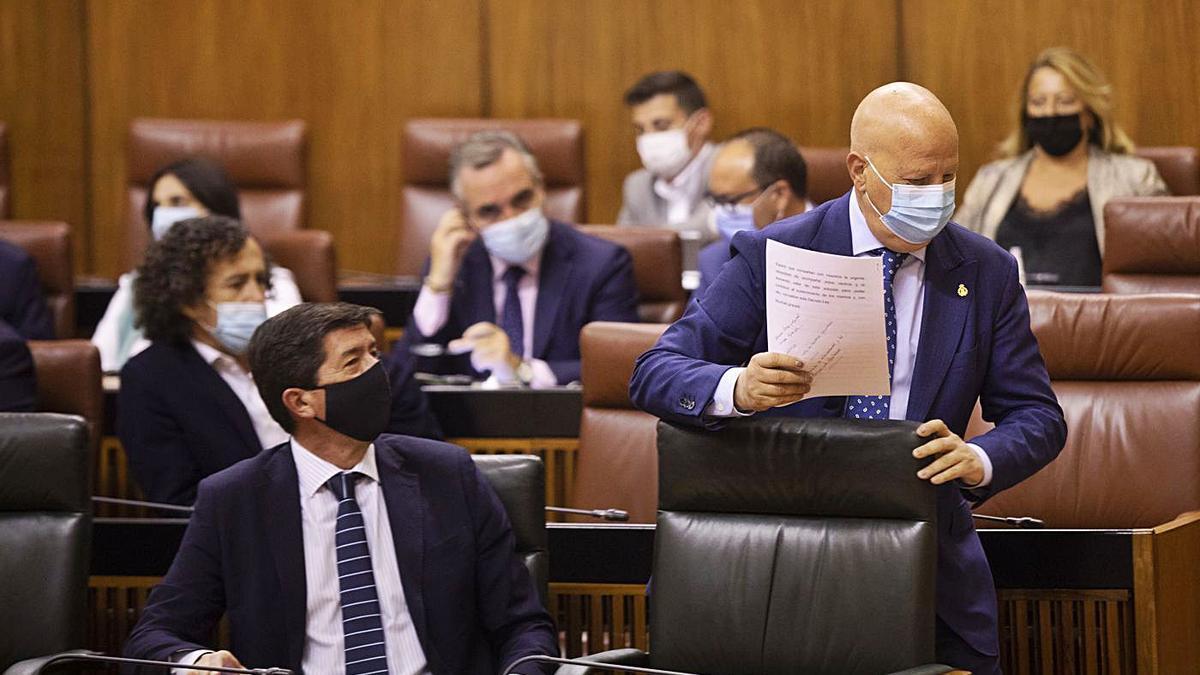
x=960 y=333
x=757 y=177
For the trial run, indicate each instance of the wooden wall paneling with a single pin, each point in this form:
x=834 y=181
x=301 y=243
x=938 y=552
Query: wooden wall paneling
x=352 y=70
x=974 y=54
x=799 y=67
x=42 y=100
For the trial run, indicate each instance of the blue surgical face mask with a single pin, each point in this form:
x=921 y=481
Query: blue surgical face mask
x=518 y=239
x=236 y=323
x=918 y=212
x=166 y=216
x=734 y=218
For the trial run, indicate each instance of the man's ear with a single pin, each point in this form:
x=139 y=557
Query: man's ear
x=702 y=124
x=304 y=404
x=857 y=166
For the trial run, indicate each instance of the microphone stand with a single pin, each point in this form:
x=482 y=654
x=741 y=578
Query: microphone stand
x=70 y=657
x=149 y=505
x=616 y=515
x=538 y=658
x=1023 y=523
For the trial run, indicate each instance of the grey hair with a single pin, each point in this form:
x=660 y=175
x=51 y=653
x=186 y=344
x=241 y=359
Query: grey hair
x=482 y=149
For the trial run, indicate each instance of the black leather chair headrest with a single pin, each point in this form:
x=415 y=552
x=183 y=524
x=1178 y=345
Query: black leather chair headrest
x=520 y=482
x=40 y=469
x=817 y=467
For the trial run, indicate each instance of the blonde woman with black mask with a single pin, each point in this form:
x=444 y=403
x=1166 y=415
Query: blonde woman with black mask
x=1064 y=160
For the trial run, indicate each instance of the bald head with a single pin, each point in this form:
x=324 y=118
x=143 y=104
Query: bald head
x=910 y=139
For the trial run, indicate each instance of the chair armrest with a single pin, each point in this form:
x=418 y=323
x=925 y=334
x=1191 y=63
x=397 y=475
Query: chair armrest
x=620 y=657
x=34 y=666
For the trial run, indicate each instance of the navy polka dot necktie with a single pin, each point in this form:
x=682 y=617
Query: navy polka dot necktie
x=362 y=618
x=877 y=407
x=511 y=319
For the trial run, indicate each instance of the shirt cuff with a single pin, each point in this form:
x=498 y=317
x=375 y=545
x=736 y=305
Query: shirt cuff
x=431 y=311
x=722 y=400
x=987 y=466
x=543 y=376
x=189 y=659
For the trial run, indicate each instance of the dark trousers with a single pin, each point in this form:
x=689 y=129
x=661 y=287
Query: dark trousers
x=953 y=651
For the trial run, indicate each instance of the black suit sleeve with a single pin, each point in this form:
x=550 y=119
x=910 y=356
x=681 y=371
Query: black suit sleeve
x=28 y=312
x=18 y=383
x=160 y=455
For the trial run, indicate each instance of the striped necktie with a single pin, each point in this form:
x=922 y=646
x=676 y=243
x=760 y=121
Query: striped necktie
x=362 y=619
x=878 y=407
x=511 y=319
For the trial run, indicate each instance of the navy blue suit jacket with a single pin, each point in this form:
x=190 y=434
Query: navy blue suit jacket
x=977 y=346
x=18 y=383
x=709 y=261
x=22 y=304
x=581 y=279
x=472 y=602
x=179 y=421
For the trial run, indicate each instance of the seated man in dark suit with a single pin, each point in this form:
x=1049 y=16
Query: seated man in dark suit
x=18 y=384
x=507 y=289
x=187 y=406
x=22 y=305
x=957 y=331
x=757 y=178
x=342 y=550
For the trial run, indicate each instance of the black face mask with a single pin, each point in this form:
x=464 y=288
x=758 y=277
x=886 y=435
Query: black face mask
x=1056 y=134
x=360 y=407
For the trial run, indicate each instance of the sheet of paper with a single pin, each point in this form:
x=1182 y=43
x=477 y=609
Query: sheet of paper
x=827 y=311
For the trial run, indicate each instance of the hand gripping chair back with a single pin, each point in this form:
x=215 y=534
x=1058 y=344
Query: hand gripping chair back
x=793 y=546
x=520 y=482
x=45 y=534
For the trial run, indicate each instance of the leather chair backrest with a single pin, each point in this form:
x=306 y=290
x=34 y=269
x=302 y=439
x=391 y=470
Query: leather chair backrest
x=49 y=244
x=828 y=177
x=310 y=256
x=520 y=482
x=556 y=143
x=793 y=546
x=616 y=465
x=657 y=268
x=1126 y=370
x=1179 y=167
x=1152 y=245
x=4 y=174
x=69 y=381
x=45 y=534
x=265 y=160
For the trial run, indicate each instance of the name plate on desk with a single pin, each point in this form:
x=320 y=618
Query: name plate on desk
x=470 y=411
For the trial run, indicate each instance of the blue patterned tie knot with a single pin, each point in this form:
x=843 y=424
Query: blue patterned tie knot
x=512 y=321
x=878 y=407
x=362 y=617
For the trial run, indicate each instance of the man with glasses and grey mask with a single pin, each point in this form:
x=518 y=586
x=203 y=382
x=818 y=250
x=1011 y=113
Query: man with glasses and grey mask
x=506 y=289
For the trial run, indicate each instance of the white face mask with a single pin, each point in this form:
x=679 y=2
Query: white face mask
x=518 y=239
x=166 y=216
x=664 y=153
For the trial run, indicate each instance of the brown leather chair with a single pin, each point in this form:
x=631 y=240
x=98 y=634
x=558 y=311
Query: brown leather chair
x=1126 y=370
x=1152 y=245
x=657 y=268
x=265 y=160
x=69 y=381
x=617 y=464
x=556 y=143
x=828 y=177
x=49 y=244
x=311 y=257
x=1179 y=167
x=4 y=179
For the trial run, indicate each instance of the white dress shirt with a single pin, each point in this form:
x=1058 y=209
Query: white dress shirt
x=241 y=382
x=432 y=310
x=324 y=640
x=908 y=294
x=684 y=192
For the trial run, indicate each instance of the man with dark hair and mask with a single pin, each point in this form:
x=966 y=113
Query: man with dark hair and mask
x=344 y=549
x=506 y=289
x=672 y=121
x=956 y=332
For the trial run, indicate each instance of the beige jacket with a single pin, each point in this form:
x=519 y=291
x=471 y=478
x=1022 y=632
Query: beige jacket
x=994 y=188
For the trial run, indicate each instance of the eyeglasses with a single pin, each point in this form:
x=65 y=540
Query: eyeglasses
x=716 y=201
x=491 y=212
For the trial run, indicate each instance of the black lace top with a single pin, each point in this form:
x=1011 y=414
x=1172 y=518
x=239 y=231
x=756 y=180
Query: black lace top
x=1058 y=247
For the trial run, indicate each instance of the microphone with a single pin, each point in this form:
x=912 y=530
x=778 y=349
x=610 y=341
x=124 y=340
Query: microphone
x=136 y=502
x=616 y=515
x=597 y=665
x=95 y=657
x=1023 y=522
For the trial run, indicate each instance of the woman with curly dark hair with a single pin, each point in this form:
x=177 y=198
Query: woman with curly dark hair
x=189 y=188
x=188 y=406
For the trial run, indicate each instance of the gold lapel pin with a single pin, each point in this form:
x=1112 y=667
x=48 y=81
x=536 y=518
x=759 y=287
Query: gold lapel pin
x=962 y=291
